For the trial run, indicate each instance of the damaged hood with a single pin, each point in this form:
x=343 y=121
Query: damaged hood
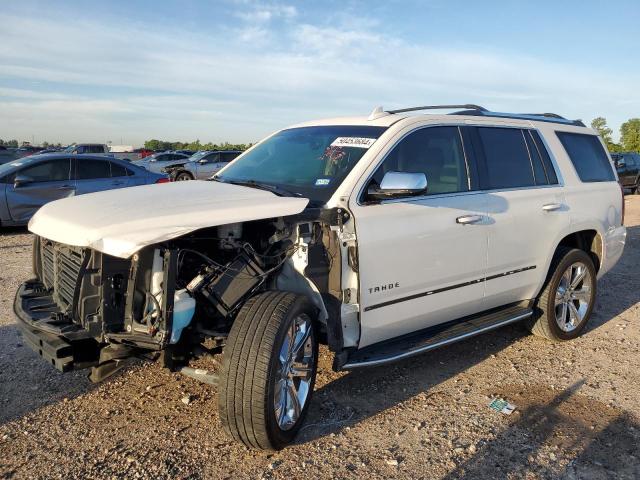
x=121 y=222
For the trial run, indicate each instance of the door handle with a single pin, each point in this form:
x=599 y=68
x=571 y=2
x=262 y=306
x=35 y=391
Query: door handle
x=65 y=187
x=468 y=219
x=117 y=183
x=551 y=207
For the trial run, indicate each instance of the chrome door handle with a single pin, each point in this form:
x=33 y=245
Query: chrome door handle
x=550 y=207
x=65 y=187
x=468 y=219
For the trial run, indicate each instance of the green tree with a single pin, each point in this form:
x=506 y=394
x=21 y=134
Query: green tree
x=630 y=135
x=599 y=124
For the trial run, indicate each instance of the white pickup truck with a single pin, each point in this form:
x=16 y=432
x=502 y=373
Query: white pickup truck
x=383 y=236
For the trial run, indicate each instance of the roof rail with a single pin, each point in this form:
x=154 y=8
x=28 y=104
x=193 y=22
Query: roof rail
x=469 y=106
x=471 y=109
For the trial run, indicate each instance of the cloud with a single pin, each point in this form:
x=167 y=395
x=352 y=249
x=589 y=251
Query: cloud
x=239 y=82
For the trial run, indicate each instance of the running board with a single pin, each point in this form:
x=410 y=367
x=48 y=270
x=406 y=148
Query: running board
x=434 y=337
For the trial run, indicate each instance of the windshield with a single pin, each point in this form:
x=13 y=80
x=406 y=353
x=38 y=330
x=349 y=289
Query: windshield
x=309 y=161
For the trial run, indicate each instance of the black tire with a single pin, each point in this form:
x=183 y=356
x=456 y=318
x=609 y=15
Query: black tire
x=183 y=176
x=543 y=323
x=636 y=190
x=251 y=367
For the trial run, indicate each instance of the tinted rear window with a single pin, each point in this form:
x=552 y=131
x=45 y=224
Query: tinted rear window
x=507 y=158
x=588 y=157
x=88 y=169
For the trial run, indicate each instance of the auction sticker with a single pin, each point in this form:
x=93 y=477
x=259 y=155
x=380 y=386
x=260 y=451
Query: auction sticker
x=357 y=142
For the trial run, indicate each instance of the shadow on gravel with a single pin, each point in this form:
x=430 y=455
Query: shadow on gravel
x=27 y=383
x=13 y=230
x=364 y=393
x=583 y=438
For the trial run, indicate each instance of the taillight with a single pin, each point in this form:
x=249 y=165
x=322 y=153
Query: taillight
x=622 y=194
x=163 y=180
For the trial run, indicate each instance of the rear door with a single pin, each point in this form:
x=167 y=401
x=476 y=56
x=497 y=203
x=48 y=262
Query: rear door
x=122 y=177
x=526 y=209
x=422 y=260
x=45 y=181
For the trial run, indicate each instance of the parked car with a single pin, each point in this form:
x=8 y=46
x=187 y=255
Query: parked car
x=6 y=155
x=384 y=236
x=158 y=161
x=92 y=148
x=185 y=152
x=202 y=165
x=628 y=167
x=25 y=151
x=29 y=183
x=143 y=152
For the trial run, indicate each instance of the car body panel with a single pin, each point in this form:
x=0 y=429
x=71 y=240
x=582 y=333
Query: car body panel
x=106 y=221
x=155 y=163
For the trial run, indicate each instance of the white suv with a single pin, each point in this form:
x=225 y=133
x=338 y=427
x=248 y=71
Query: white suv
x=381 y=236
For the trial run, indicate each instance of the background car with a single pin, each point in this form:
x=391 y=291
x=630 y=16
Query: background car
x=628 y=167
x=158 y=161
x=27 y=184
x=95 y=148
x=26 y=150
x=203 y=165
x=6 y=155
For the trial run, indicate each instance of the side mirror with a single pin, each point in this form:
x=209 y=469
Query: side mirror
x=398 y=185
x=21 y=180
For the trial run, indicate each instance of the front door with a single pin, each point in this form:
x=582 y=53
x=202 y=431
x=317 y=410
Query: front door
x=207 y=166
x=422 y=260
x=38 y=184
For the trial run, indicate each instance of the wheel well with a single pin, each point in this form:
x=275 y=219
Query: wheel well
x=587 y=240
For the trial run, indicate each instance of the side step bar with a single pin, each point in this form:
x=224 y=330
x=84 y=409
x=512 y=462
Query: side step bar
x=434 y=337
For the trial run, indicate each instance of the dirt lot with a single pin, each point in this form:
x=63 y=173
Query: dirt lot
x=578 y=407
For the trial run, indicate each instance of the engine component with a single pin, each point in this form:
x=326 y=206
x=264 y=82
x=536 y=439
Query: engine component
x=230 y=235
x=225 y=287
x=184 y=307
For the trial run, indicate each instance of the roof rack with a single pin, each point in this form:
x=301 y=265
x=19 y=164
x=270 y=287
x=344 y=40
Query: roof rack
x=469 y=106
x=471 y=109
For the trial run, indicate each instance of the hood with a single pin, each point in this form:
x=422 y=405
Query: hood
x=121 y=222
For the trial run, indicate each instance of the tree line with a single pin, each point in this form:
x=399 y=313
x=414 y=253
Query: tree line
x=629 y=134
x=154 y=144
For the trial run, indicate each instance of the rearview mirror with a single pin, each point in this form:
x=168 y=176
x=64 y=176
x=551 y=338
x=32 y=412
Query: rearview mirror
x=21 y=180
x=398 y=185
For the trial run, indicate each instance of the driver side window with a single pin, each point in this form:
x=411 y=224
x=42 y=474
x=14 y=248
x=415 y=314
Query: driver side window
x=435 y=151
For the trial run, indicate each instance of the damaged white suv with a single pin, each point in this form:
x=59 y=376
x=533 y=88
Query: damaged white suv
x=381 y=236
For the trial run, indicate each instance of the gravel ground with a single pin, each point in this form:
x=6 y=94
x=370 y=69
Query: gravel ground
x=577 y=416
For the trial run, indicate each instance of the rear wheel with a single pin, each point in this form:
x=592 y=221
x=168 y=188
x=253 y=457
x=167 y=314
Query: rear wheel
x=566 y=302
x=269 y=369
x=183 y=176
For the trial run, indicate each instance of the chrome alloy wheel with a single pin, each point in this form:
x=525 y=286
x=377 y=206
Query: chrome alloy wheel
x=295 y=372
x=573 y=296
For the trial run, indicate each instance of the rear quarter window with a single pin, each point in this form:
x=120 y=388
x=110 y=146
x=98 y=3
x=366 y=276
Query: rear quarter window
x=588 y=157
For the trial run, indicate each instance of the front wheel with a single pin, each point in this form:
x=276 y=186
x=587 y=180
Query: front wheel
x=566 y=302
x=268 y=370
x=183 y=176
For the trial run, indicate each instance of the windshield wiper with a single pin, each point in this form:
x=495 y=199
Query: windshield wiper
x=281 y=192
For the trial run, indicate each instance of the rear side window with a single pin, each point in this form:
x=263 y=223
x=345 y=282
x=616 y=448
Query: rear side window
x=88 y=169
x=118 y=170
x=507 y=158
x=228 y=156
x=588 y=156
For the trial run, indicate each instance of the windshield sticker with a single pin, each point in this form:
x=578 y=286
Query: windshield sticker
x=357 y=142
x=322 y=182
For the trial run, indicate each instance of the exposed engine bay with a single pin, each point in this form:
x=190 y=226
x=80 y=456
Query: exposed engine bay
x=179 y=298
